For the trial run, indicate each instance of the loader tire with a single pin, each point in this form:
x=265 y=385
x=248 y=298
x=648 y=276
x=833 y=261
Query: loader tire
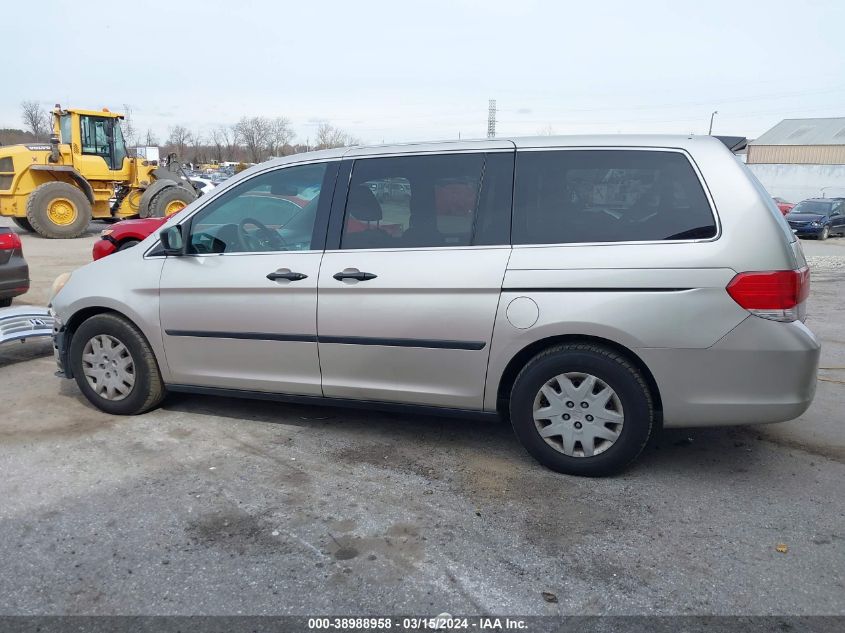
x=58 y=210
x=23 y=224
x=171 y=200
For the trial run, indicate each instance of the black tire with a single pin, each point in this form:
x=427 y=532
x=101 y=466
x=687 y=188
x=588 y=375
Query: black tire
x=611 y=368
x=38 y=210
x=824 y=234
x=23 y=224
x=167 y=197
x=148 y=390
x=5 y=303
x=128 y=244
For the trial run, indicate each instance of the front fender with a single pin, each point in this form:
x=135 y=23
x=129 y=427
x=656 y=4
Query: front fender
x=100 y=287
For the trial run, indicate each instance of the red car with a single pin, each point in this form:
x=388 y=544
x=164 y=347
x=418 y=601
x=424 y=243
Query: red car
x=784 y=206
x=125 y=234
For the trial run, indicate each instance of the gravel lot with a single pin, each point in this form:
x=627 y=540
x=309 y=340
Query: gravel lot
x=219 y=506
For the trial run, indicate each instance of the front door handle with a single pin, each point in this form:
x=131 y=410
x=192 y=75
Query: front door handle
x=285 y=273
x=353 y=273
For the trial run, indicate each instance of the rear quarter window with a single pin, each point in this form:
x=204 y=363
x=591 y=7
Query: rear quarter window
x=575 y=196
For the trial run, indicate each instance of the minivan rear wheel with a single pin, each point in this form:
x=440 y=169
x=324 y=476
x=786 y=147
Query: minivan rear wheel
x=114 y=366
x=582 y=409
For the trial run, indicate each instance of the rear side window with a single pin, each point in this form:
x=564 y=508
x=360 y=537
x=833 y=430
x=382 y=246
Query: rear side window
x=572 y=196
x=428 y=201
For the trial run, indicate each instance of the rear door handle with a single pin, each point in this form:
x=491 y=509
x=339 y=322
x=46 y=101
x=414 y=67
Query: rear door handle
x=354 y=273
x=285 y=273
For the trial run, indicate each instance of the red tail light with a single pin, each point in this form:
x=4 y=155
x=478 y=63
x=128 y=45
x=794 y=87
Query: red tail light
x=9 y=241
x=778 y=295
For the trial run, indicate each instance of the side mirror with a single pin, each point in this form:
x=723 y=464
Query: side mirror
x=172 y=241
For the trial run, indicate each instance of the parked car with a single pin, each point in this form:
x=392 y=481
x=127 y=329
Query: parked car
x=600 y=287
x=14 y=272
x=125 y=234
x=818 y=217
x=784 y=206
x=219 y=177
x=205 y=185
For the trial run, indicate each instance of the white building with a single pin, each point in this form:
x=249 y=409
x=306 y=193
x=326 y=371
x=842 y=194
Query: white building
x=801 y=158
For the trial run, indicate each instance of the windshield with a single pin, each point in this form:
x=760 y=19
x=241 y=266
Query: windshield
x=812 y=206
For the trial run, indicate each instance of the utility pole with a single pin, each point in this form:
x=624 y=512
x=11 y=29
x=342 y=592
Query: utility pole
x=491 y=119
x=714 y=113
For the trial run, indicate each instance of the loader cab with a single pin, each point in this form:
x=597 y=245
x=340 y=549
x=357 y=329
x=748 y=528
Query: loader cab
x=99 y=149
x=102 y=136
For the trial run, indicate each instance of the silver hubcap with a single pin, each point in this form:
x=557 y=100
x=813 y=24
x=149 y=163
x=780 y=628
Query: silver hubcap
x=108 y=367
x=578 y=414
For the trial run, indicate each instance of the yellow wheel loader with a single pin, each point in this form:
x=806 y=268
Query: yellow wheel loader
x=85 y=172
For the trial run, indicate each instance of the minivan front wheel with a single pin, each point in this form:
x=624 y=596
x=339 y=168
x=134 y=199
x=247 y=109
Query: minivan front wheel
x=114 y=366
x=582 y=409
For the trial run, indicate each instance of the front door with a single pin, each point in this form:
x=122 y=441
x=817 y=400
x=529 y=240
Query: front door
x=837 y=218
x=239 y=310
x=103 y=148
x=408 y=300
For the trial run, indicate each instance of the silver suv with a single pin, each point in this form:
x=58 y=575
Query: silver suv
x=588 y=288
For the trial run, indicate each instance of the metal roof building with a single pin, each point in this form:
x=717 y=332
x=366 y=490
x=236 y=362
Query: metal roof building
x=801 y=142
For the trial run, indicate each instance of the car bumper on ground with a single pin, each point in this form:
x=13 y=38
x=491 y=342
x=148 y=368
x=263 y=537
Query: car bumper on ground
x=103 y=247
x=761 y=371
x=20 y=323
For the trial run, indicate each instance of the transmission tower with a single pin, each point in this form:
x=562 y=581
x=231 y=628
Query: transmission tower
x=491 y=119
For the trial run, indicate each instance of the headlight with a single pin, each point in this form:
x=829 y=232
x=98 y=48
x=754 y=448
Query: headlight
x=60 y=282
x=105 y=232
x=815 y=224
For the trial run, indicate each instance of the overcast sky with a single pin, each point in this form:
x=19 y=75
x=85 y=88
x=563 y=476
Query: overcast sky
x=394 y=71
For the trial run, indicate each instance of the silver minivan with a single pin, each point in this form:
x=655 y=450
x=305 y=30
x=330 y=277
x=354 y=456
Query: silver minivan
x=590 y=289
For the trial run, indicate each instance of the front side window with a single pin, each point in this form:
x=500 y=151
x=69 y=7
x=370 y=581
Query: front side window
x=572 y=196
x=65 y=128
x=274 y=211
x=414 y=201
x=119 y=146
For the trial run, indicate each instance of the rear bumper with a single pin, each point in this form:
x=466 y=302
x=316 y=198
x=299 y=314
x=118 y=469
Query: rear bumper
x=14 y=277
x=761 y=371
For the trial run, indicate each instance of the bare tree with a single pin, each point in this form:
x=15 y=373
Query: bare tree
x=150 y=140
x=329 y=136
x=546 y=130
x=218 y=140
x=129 y=132
x=36 y=119
x=179 y=139
x=233 y=129
x=224 y=142
x=198 y=151
x=281 y=134
x=255 y=133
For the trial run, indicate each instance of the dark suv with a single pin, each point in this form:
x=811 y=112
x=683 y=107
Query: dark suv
x=818 y=217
